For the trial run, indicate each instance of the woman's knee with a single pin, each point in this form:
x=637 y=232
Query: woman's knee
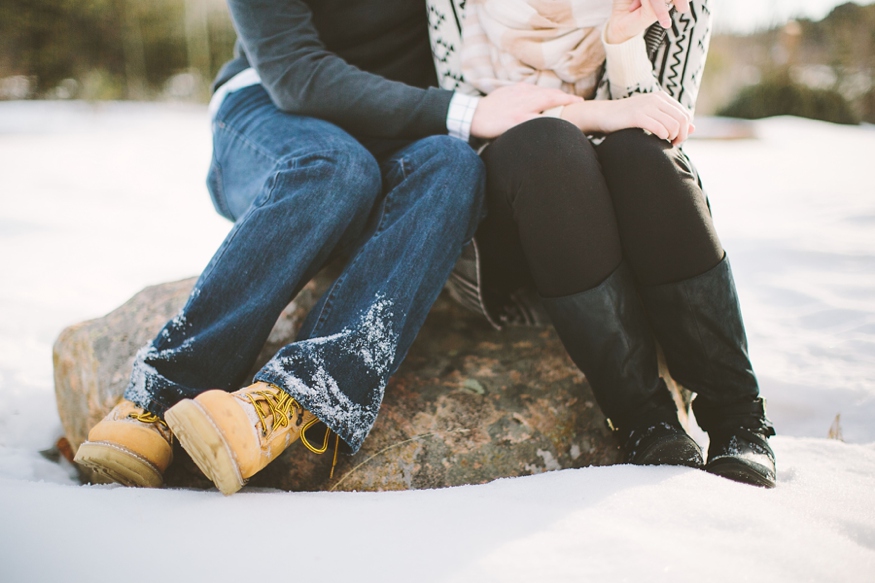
x=546 y=144
x=632 y=151
x=546 y=163
x=636 y=165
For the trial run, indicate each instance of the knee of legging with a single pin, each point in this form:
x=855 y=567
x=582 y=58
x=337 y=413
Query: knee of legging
x=633 y=151
x=543 y=141
x=545 y=158
x=637 y=165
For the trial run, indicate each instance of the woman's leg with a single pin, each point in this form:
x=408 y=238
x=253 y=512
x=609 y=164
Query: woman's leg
x=689 y=294
x=662 y=213
x=551 y=219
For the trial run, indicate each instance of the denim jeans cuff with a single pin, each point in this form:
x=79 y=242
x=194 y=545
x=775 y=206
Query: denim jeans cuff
x=351 y=421
x=153 y=392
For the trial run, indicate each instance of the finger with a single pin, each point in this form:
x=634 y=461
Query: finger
x=690 y=129
x=682 y=5
x=683 y=134
x=652 y=125
x=672 y=125
x=671 y=106
x=661 y=10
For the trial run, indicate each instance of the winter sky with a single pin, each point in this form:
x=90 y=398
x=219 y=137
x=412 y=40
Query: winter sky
x=747 y=15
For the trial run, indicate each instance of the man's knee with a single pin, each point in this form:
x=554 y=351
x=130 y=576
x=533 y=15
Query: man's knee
x=450 y=155
x=343 y=177
x=452 y=164
x=454 y=181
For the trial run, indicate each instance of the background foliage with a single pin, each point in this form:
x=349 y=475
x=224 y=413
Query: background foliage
x=171 y=49
x=823 y=69
x=112 y=49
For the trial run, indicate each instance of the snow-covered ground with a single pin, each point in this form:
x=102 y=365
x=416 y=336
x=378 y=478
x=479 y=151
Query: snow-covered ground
x=99 y=201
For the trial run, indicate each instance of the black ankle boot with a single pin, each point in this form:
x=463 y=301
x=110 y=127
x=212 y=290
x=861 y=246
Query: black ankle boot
x=606 y=333
x=698 y=323
x=739 y=448
x=657 y=438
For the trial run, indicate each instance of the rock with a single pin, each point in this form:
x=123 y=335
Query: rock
x=468 y=405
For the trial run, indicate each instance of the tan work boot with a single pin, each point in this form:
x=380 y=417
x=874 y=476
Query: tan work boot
x=130 y=446
x=232 y=436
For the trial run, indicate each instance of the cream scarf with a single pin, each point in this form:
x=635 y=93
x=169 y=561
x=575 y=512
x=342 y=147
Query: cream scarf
x=550 y=43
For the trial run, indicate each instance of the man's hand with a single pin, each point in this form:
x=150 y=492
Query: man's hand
x=630 y=18
x=512 y=105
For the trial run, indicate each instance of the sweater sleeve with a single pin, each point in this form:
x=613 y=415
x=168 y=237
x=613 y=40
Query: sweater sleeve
x=677 y=58
x=627 y=67
x=303 y=77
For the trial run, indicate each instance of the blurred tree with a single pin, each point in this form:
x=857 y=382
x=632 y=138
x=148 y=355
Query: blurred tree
x=831 y=61
x=781 y=96
x=113 y=48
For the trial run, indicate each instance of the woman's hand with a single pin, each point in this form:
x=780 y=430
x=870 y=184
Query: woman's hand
x=658 y=113
x=630 y=18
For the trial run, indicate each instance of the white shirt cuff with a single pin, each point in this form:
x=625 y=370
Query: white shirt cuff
x=628 y=66
x=460 y=115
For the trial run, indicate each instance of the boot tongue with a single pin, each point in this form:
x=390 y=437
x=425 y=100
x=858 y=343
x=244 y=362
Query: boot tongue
x=267 y=413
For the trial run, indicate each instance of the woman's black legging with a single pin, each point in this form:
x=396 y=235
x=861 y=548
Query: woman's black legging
x=563 y=213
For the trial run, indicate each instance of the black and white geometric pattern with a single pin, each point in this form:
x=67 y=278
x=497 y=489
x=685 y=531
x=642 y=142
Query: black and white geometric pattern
x=678 y=54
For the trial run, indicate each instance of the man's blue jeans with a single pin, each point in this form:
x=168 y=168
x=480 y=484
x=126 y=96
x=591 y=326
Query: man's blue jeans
x=301 y=192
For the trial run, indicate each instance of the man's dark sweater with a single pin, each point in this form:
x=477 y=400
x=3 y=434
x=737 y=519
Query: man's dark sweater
x=364 y=65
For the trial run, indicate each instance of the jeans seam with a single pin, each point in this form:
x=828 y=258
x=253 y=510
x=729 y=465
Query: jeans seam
x=219 y=197
x=242 y=137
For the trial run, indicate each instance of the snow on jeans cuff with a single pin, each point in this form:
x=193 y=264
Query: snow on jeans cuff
x=341 y=378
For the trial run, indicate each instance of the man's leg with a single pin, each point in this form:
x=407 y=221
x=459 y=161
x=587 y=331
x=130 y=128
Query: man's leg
x=358 y=333
x=299 y=189
x=355 y=338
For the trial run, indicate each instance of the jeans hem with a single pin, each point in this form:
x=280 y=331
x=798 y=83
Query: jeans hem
x=352 y=426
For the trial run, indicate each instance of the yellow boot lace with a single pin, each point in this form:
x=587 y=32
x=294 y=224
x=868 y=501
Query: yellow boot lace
x=147 y=417
x=280 y=405
x=324 y=447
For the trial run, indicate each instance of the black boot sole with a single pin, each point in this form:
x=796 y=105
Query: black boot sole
x=738 y=471
x=671 y=452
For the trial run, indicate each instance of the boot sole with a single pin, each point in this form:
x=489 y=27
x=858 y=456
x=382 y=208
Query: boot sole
x=119 y=464
x=670 y=453
x=199 y=436
x=739 y=472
